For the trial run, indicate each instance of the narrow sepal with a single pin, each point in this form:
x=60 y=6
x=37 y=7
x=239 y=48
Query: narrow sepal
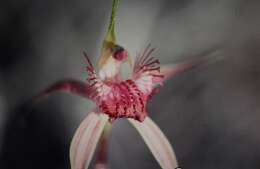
x=85 y=140
x=156 y=142
x=172 y=70
x=69 y=86
x=207 y=57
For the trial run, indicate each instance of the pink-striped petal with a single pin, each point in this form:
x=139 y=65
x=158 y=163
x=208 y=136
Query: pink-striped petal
x=85 y=140
x=156 y=142
x=69 y=86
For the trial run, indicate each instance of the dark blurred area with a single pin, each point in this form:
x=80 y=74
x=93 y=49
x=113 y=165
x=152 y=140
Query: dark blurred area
x=210 y=114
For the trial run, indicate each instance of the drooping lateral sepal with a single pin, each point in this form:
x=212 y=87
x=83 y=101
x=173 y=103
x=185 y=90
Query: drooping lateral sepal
x=85 y=140
x=156 y=142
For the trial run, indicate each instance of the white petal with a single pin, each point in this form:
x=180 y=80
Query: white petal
x=85 y=140
x=156 y=142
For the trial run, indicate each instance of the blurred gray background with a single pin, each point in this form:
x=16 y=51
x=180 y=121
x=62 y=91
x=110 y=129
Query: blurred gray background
x=210 y=114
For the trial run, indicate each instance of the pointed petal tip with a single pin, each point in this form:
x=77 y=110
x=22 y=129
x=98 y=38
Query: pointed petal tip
x=156 y=142
x=68 y=85
x=85 y=140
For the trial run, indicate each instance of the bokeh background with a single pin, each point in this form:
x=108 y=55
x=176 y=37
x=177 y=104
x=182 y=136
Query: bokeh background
x=210 y=114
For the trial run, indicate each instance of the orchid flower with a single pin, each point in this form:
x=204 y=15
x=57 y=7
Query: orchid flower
x=117 y=98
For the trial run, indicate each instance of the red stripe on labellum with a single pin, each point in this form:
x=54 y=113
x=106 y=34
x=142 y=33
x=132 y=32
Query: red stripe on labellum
x=125 y=101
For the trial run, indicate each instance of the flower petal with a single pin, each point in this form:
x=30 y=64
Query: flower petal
x=85 y=140
x=169 y=71
x=156 y=142
x=70 y=86
x=207 y=57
